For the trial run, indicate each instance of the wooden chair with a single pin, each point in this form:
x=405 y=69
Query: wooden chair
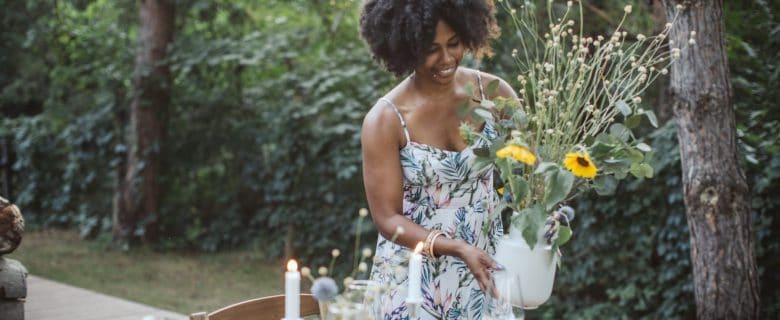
x=265 y=308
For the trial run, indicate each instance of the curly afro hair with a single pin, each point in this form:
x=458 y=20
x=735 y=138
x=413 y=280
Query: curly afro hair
x=399 y=32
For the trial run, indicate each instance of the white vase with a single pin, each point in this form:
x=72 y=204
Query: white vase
x=533 y=271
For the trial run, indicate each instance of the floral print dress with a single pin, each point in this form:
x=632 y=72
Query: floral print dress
x=443 y=190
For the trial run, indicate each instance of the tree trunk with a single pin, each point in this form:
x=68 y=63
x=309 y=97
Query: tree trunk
x=6 y=167
x=139 y=205
x=717 y=198
x=120 y=123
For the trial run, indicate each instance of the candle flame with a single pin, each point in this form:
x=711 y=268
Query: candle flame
x=292 y=266
x=418 y=248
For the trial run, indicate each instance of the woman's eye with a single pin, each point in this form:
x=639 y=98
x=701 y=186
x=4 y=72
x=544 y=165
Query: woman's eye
x=454 y=44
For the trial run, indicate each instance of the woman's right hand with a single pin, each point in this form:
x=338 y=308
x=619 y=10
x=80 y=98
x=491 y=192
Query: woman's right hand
x=480 y=264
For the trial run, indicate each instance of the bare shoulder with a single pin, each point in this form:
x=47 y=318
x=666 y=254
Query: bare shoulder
x=504 y=89
x=381 y=125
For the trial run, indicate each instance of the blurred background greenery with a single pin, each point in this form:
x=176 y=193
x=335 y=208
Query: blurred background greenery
x=262 y=142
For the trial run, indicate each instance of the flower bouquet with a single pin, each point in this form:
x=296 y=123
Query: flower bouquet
x=569 y=131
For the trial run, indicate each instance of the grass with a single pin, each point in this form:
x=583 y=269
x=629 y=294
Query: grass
x=180 y=282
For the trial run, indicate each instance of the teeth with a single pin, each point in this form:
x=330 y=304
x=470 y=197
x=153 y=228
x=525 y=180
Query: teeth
x=446 y=72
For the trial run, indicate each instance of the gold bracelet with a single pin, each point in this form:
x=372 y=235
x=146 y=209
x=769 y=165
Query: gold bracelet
x=427 y=243
x=433 y=241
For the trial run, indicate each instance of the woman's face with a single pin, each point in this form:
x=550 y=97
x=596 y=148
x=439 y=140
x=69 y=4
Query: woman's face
x=444 y=56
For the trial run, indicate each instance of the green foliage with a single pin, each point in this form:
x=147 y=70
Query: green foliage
x=263 y=130
x=75 y=63
x=282 y=110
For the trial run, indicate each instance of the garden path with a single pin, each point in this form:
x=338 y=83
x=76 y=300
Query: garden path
x=50 y=300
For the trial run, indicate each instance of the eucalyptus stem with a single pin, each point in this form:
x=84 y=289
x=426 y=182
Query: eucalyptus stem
x=357 y=244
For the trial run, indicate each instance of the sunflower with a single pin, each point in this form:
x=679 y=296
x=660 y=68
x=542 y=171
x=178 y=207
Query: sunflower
x=518 y=153
x=580 y=164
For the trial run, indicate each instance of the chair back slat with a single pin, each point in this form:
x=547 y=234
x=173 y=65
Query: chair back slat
x=266 y=308
x=199 y=316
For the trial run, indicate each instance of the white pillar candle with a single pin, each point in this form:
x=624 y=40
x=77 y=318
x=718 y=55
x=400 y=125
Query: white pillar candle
x=292 y=291
x=415 y=276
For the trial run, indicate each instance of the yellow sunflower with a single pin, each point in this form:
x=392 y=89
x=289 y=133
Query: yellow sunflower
x=580 y=164
x=518 y=153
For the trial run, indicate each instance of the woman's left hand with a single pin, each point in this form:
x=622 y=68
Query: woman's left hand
x=480 y=264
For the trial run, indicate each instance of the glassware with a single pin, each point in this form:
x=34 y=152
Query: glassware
x=363 y=291
x=345 y=310
x=498 y=300
x=364 y=295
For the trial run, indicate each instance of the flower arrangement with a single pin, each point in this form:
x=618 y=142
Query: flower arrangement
x=570 y=130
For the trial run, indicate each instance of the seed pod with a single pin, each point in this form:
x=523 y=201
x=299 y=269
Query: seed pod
x=568 y=211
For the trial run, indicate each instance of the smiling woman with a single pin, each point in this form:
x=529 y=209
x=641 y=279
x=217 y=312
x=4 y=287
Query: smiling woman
x=418 y=172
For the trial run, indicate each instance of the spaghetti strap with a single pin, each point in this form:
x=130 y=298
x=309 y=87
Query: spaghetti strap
x=481 y=89
x=400 y=117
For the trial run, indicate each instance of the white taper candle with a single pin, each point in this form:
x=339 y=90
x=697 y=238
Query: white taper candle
x=292 y=291
x=415 y=276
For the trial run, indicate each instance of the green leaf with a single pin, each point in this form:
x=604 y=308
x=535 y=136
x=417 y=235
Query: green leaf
x=545 y=166
x=520 y=118
x=651 y=117
x=496 y=145
x=504 y=167
x=487 y=104
x=635 y=155
x=531 y=220
x=633 y=121
x=644 y=147
x=492 y=88
x=649 y=172
x=564 y=234
x=602 y=148
x=558 y=184
x=507 y=124
x=623 y=107
x=641 y=170
x=616 y=161
x=483 y=151
x=483 y=114
x=620 y=131
x=519 y=188
x=480 y=163
x=470 y=89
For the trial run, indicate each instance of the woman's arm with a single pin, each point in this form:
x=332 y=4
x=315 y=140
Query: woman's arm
x=381 y=140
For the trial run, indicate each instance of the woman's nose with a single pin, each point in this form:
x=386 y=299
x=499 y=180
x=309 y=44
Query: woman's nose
x=448 y=56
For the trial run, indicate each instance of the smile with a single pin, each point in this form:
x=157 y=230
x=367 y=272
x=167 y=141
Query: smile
x=445 y=73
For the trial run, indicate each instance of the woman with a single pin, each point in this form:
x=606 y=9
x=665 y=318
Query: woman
x=418 y=172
